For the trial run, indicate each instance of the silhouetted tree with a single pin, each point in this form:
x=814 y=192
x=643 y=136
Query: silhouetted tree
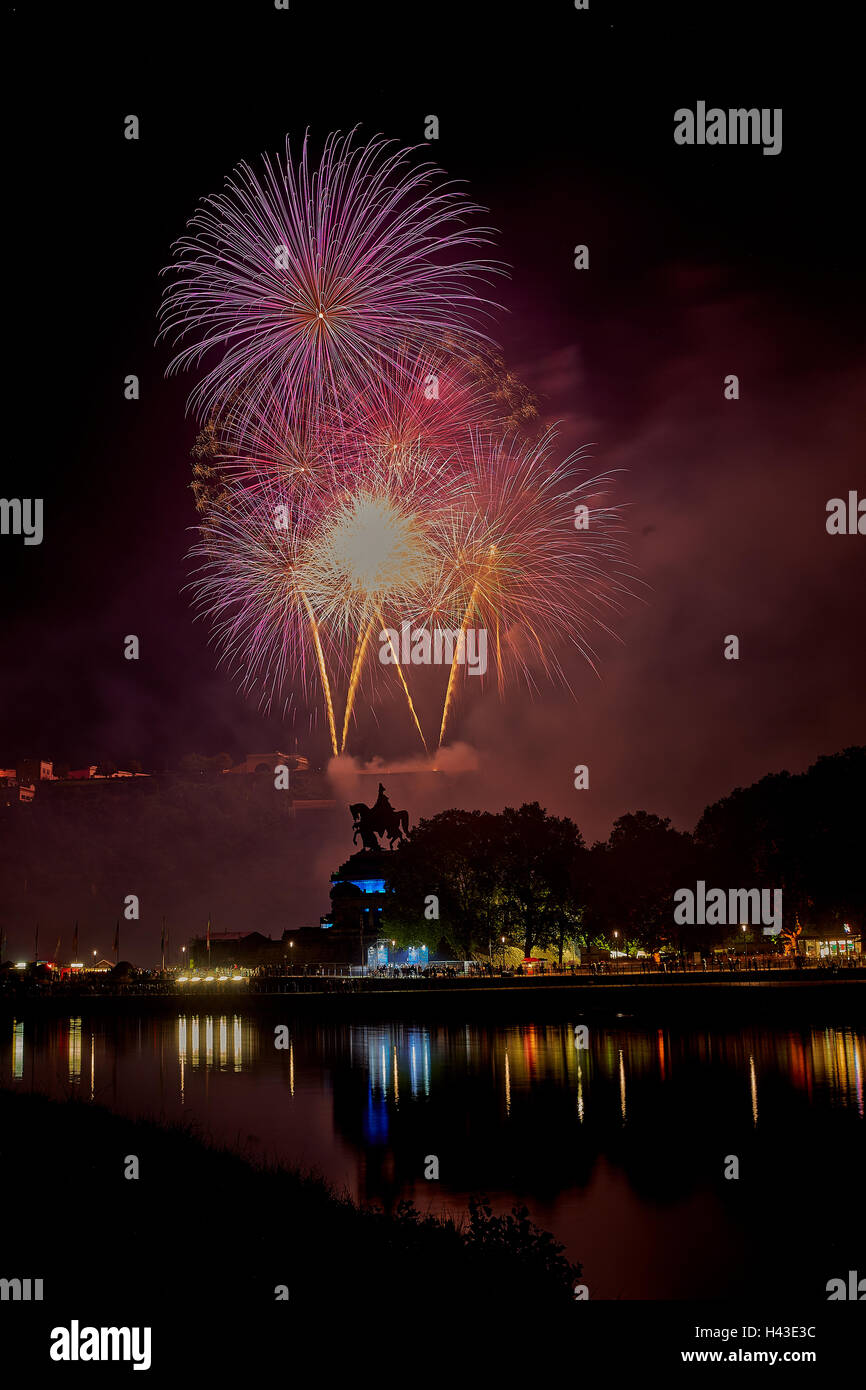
x=633 y=876
x=802 y=833
x=514 y=874
x=452 y=859
x=537 y=878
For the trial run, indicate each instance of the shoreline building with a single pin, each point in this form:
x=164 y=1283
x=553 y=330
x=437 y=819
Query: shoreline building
x=838 y=943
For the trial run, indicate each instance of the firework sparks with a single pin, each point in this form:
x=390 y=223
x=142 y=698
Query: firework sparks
x=249 y=588
x=529 y=550
x=307 y=282
x=420 y=402
x=362 y=462
x=370 y=552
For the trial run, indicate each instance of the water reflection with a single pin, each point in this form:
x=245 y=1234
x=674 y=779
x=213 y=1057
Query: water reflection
x=17 y=1050
x=753 y=1087
x=622 y=1138
x=74 y=1050
x=826 y=1063
x=244 y=1041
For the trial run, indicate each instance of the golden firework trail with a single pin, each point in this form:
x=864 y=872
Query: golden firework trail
x=354 y=678
x=452 y=674
x=403 y=683
x=323 y=672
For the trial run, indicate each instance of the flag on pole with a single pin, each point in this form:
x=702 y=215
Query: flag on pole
x=208 y=939
x=75 y=942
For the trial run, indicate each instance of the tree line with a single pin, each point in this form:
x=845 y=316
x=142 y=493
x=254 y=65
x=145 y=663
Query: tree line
x=474 y=877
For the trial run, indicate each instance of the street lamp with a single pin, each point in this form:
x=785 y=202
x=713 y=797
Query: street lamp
x=503 y=955
x=615 y=956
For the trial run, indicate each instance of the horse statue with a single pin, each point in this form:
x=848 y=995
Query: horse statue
x=380 y=819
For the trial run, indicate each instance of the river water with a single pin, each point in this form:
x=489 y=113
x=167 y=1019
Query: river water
x=626 y=1149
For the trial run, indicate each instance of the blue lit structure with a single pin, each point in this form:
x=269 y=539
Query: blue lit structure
x=358 y=890
x=366 y=885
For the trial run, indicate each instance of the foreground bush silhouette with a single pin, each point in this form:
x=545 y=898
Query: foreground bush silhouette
x=203 y=1221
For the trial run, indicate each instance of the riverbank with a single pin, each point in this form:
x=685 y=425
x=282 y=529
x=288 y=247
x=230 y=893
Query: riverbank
x=789 y=995
x=202 y=1226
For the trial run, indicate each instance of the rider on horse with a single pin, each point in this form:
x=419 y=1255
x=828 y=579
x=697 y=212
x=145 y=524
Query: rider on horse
x=383 y=805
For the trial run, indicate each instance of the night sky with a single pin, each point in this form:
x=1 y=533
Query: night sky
x=703 y=262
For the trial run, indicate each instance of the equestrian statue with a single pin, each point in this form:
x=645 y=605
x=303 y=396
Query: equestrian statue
x=380 y=819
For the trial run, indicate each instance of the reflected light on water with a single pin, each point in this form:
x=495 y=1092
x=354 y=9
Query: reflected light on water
x=18 y=1050
x=181 y=1052
x=592 y=1139
x=189 y=1039
x=74 y=1050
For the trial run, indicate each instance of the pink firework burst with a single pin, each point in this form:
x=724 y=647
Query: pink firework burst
x=307 y=282
x=531 y=551
x=248 y=586
x=424 y=401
